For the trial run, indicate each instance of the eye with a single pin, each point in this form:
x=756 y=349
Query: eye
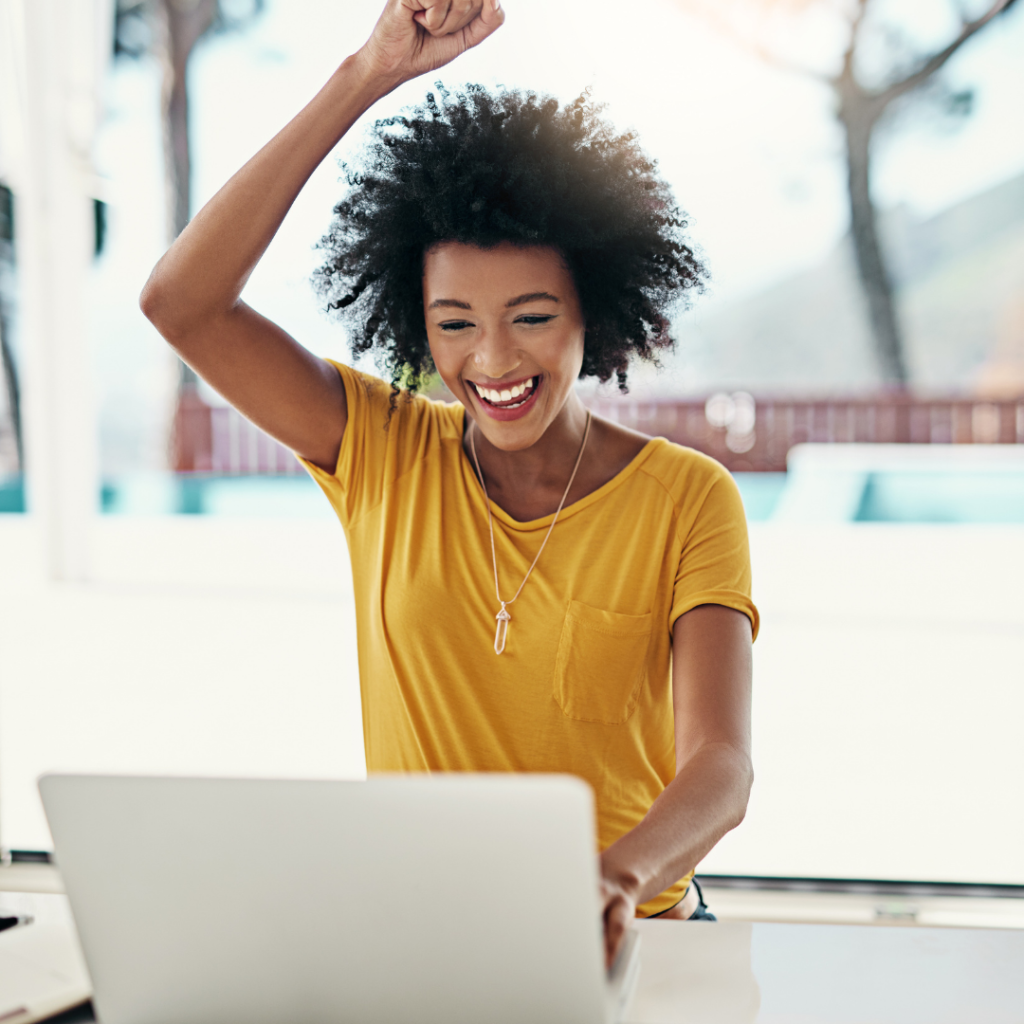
x=454 y=325
x=531 y=319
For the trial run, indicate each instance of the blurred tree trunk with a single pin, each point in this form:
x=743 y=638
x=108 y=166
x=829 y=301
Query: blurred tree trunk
x=12 y=388
x=180 y=25
x=858 y=115
x=858 y=109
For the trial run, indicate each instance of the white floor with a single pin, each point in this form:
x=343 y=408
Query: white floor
x=889 y=682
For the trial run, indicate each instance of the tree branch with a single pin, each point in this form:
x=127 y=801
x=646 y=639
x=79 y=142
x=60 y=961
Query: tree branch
x=851 y=49
x=933 y=63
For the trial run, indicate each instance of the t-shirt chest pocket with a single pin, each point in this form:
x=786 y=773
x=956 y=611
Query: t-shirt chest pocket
x=601 y=664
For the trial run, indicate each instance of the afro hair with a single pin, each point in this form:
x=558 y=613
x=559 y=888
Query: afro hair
x=485 y=168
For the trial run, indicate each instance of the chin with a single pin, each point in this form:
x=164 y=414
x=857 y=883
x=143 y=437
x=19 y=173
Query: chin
x=509 y=437
x=509 y=444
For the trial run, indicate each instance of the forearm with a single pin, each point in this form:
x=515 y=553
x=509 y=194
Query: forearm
x=707 y=798
x=202 y=275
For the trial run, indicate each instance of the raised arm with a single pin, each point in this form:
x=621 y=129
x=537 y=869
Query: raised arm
x=192 y=296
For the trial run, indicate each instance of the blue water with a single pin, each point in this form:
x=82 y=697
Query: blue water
x=12 y=494
x=166 y=493
x=919 y=496
x=924 y=496
x=760 y=493
x=287 y=497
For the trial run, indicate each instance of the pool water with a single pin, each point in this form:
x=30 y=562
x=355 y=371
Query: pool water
x=942 y=497
x=885 y=496
x=760 y=493
x=287 y=497
x=12 y=494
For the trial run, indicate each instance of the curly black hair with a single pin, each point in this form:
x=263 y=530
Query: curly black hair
x=482 y=169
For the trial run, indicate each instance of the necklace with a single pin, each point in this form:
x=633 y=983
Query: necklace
x=503 y=616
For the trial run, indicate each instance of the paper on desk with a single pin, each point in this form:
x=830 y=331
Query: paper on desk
x=42 y=971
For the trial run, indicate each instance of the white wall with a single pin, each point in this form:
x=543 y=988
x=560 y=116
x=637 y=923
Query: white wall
x=889 y=688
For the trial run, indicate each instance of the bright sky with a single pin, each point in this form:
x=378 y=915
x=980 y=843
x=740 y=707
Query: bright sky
x=753 y=153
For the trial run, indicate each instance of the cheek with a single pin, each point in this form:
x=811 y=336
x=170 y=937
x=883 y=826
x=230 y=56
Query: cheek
x=448 y=363
x=570 y=354
x=441 y=358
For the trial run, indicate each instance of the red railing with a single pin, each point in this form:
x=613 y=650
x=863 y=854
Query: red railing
x=221 y=441
x=742 y=432
x=747 y=434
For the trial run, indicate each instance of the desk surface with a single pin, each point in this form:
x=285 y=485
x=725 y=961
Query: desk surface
x=733 y=972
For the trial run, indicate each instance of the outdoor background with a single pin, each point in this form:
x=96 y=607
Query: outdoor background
x=214 y=631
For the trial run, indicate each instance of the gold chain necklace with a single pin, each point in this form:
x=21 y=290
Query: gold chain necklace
x=503 y=616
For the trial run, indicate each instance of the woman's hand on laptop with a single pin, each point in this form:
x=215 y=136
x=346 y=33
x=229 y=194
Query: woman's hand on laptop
x=619 y=910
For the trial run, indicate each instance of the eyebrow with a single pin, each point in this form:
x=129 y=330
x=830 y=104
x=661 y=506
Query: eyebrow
x=519 y=300
x=531 y=297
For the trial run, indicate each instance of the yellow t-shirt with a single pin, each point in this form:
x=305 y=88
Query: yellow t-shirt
x=584 y=683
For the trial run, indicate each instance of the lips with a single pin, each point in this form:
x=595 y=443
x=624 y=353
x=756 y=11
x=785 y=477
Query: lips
x=515 y=406
x=509 y=397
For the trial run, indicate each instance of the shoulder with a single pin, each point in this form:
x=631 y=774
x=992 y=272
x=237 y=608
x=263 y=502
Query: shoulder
x=687 y=474
x=398 y=412
x=702 y=492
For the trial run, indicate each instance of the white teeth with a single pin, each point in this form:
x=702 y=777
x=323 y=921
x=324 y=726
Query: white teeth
x=508 y=394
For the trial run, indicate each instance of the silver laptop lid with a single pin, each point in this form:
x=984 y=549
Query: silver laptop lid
x=455 y=898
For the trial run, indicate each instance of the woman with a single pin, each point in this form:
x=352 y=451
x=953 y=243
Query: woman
x=592 y=613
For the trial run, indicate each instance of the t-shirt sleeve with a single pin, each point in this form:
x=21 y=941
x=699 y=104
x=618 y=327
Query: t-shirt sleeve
x=714 y=566
x=375 y=448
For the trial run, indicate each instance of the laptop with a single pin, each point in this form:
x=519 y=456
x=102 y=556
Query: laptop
x=435 y=899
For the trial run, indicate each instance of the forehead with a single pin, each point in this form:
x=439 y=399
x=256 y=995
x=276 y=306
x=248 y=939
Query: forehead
x=455 y=270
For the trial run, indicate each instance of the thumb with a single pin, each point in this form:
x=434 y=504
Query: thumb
x=490 y=19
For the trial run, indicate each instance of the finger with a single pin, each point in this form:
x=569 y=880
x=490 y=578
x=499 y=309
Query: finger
x=460 y=14
x=432 y=17
x=612 y=942
x=616 y=923
x=490 y=19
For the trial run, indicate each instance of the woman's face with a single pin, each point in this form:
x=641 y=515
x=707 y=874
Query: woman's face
x=506 y=333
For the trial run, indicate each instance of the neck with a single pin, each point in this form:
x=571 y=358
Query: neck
x=543 y=468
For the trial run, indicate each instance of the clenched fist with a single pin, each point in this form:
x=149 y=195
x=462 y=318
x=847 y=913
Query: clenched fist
x=413 y=37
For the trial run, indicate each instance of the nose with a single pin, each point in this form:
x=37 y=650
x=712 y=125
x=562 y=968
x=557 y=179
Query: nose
x=495 y=355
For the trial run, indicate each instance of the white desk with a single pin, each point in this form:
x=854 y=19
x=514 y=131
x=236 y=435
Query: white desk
x=41 y=966
x=733 y=972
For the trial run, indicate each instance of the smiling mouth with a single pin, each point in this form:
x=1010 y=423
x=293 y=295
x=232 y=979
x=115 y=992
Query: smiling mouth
x=507 y=398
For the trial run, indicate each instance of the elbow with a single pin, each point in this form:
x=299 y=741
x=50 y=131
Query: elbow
x=744 y=785
x=154 y=305
x=149 y=301
x=163 y=309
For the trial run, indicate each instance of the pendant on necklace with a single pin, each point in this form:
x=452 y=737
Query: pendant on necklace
x=501 y=633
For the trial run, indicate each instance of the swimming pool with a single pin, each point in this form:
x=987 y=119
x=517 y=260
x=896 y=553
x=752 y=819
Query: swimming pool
x=897 y=495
